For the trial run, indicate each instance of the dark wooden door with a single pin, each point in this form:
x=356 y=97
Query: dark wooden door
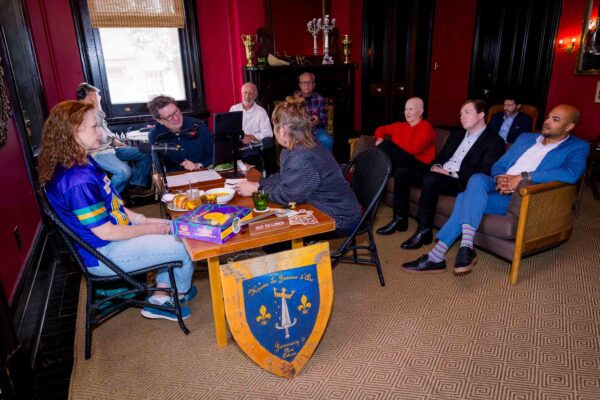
x=396 y=57
x=514 y=49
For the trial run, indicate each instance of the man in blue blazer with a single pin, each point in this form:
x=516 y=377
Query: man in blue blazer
x=553 y=155
x=510 y=123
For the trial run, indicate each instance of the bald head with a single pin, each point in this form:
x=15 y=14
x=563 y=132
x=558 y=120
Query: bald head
x=413 y=110
x=559 y=123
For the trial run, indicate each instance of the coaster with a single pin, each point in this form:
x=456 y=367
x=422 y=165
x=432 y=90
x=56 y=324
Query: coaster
x=261 y=212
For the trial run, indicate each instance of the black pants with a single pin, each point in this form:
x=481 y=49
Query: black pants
x=406 y=170
x=432 y=185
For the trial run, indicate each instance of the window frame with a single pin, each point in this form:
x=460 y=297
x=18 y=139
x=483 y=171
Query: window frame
x=94 y=71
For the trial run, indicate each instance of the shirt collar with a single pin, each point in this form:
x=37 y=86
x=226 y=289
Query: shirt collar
x=541 y=138
x=476 y=133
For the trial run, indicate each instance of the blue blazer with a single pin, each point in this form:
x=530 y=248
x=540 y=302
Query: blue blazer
x=566 y=163
x=521 y=123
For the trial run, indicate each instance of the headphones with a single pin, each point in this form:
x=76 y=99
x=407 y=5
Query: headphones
x=83 y=89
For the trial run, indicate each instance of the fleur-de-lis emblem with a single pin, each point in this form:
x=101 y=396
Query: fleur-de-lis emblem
x=264 y=316
x=305 y=305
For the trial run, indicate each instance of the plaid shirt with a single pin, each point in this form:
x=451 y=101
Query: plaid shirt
x=315 y=105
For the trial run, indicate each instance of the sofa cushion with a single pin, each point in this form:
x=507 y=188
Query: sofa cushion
x=500 y=226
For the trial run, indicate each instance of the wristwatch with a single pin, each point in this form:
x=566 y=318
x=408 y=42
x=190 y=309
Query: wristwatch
x=525 y=175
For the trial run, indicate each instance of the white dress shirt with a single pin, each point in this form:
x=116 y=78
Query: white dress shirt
x=255 y=121
x=533 y=156
x=453 y=164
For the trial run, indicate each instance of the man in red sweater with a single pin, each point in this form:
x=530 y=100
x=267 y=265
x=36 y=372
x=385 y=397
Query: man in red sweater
x=411 y=148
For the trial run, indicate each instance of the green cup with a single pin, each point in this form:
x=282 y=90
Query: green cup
x=261 y=200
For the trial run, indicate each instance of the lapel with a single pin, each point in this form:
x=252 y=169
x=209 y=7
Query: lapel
x=478 y=145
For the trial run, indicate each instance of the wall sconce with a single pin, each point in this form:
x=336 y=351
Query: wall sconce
x=567 y=48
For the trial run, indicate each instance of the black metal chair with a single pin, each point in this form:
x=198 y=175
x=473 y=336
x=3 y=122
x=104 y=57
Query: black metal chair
x=96 y=308
x=370 y=172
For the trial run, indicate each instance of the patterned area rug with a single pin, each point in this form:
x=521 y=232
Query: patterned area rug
x=420 y=337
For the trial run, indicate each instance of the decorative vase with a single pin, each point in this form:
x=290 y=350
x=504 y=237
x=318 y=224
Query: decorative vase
x=347 y=42
x=249 y=43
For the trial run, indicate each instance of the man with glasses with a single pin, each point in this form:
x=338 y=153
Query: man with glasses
x=315 y=107
x=189 y=133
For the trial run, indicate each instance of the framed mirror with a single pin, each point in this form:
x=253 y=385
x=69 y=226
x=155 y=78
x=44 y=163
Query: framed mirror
x=286 y=21
x=588 y=61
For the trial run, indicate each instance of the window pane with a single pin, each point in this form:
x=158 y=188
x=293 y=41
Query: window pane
x=142 y=63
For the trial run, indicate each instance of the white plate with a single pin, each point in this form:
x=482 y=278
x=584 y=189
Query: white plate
x=220 y=168
x=172 y=207
x=254 y=210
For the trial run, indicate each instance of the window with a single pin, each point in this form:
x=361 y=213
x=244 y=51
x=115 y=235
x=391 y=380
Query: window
x=132 y=64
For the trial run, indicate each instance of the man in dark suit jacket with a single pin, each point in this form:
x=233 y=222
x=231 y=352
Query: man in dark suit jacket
x=510 y=123
x=466 y=152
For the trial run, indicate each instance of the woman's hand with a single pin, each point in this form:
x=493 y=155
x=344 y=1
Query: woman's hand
x=246 y=188
x=158 y=228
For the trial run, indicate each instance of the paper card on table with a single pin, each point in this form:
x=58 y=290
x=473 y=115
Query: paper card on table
x=192 y=177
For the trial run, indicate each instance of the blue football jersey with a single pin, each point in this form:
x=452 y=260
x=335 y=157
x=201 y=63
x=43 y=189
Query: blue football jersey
x=84 y=198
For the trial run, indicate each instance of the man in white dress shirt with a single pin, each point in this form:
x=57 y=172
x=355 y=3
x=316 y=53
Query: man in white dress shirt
x=255 y=124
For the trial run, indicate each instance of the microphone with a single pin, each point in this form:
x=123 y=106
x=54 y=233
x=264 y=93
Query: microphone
x=148 y=148
x=190 y=132
x=250 y=146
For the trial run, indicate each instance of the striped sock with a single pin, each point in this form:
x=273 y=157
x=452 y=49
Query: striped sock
x=438 y=253
x=468 y=232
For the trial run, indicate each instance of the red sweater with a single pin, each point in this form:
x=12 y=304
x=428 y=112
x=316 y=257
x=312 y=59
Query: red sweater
x=418 y=140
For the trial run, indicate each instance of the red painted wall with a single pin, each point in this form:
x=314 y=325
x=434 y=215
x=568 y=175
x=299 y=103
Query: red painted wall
x=19 y=209
x=453 y=35
x=565 y=86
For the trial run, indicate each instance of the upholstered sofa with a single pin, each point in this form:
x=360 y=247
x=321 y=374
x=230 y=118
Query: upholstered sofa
x=543 y=220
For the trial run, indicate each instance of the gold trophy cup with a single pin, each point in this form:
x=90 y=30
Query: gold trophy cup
x=249 y=43
x=347 y=42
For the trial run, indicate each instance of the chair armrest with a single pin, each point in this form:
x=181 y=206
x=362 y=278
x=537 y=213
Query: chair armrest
x=541 y=188
x=359 y=144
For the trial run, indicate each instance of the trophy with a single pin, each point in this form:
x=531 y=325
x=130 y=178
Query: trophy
x=249 y=43
x=347 y=42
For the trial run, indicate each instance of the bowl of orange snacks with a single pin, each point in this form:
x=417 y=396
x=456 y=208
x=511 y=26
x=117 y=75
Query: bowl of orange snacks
x=219 y=195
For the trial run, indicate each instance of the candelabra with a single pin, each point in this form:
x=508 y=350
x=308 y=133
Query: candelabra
x=327 y=27
x=314 y=26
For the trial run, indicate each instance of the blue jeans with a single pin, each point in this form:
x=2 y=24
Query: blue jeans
x=142 y=164
x=324 y=138
x=145 y=251
x=121 y=171
x=479 y=198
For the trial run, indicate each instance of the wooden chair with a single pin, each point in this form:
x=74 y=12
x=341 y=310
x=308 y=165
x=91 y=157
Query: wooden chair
x=528 y=109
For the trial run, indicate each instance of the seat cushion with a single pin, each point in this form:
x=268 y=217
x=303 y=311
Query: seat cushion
x=500 y=226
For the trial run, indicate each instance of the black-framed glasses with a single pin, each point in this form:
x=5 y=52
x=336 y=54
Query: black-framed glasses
x=172 y=116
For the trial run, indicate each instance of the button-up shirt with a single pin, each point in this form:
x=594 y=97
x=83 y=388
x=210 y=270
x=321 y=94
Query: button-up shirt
x=506 y=126
x=453 y=164
x=533 y=156
x=255 y=121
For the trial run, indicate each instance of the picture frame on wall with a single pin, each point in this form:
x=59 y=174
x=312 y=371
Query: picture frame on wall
x=597 y=96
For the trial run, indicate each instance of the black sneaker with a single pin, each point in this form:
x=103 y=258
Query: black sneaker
x=466 y=259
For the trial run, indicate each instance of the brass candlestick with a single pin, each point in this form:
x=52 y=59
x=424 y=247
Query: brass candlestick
x=249 y=43
x=347 y=42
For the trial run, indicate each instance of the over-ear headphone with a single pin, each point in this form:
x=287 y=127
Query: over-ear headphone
x=80 y=94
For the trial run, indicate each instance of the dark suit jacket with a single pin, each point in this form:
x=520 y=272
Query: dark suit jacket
x=521 y=123
x=488 y=148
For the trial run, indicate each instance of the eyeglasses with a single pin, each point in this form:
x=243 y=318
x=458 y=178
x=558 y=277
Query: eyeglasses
x=307 y=82
x=172 y=116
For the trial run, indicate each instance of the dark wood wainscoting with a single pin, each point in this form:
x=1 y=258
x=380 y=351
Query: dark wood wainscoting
x=334 y=82
x=513 y=50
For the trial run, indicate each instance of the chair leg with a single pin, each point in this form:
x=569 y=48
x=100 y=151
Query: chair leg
x=88 y=319
x=514 y=269
x=354 y=251
x=375 y=256
x=175 y=295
